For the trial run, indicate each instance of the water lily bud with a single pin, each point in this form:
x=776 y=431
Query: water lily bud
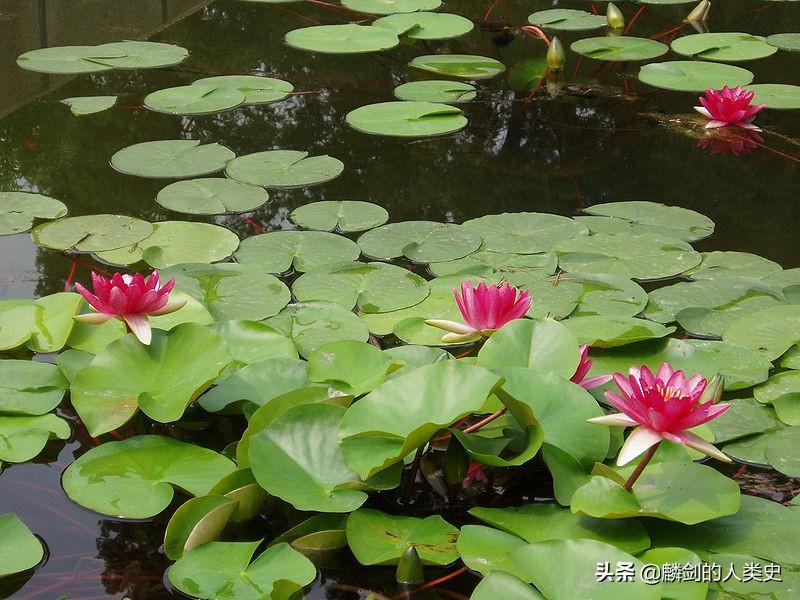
x=615 y=17
x=699 y=12
x=409 y=569
x=456 y=463
x=556 y=57
x=713 y=391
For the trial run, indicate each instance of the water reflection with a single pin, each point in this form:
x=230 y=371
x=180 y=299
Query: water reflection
x=739 y=142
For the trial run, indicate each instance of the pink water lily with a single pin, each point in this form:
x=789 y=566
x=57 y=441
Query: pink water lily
x=663 y=406
x=729 y=107
x=485 y=309
x=580 y=376
x=132 y=299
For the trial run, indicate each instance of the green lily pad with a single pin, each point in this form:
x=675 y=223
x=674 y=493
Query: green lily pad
x=607 y=331
x=779 y=96
x=284 y=169
x=303 y=251
x=619 y=48
x=781 y=450
x=723 y=47
x=673 y=221
x=374 y=287
x=389 y=7
x=175 y=242
x=733 y=264
x=198 y=521
x=407 y=119
x=771 y=331
x=67 y=60
x=211 y=196
x=693 y=76
x=224 y=571
x=20 y=550
x=231 y=291
x=426 y=25
x=436 y=90
x=18 y=210
x=353 y=368
x=53 y=321
x=88 y=105
x=256 y=89
x=745 y=417
x=23 y=438
x=524 y=233
x=348 y=38
x=339 y=215
x=419 y=241
x=516 y=268
x=91 y=233
x=565 y=19
x=241 y=487
x=134 y=478
x=503 y=585
x=741 y=367
x=785 y=41
x=376 y=538
x=160 y=379
x=486 y=550
x=29 y=387
x=465 y=66
x=171 y=158
x=141 y=55
x=194 y=100
x=17 y=322
x=636 y=256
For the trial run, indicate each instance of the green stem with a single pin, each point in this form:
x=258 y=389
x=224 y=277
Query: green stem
x=640 y=467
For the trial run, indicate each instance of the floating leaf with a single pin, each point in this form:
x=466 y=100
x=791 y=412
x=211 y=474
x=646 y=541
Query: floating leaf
x=436 y=90
x=88 y=105
x=606 y=331
x=339 y=215
x=23 y=438
x=745 y=417
x=673 y=221
x=419 y=241
x=198 y=521
x=776 y=95
x=20 y=550
x=407 y=119
x=785 y=41
x=516 y=268
x=54 y=321
x=524 y=233
x=171 y=158
x=284 y=169
x=733 y=264
x=354 y=368
x=17 y=322
x=565 y=19
x=29 y=387
x=723 y=47
x=693 y=76
x=141 y=55
x=486 y=550
x=134 y=478
x=194 y=100
x=18 y=210
x=68 y=60
x=619 y=48
x=211 y=196
x=465 y=66
x=348 y=38
x=426 y=25
x=91 y=233
x=256 y=89
x=388 y=7
x=303 y=251
x=741 y=367
x=503 y=585
x=771 y=331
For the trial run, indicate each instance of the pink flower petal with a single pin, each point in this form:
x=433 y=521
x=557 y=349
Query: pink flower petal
x=140 y=327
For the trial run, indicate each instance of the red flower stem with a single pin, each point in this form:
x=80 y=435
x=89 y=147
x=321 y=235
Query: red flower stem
x=298 y=15
x=411 y=475
x=430 y=584
x=486 y=421
x=633 y=19
x=641 y=466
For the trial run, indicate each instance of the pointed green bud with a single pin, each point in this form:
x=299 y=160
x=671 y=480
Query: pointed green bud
x=556 y=57
x=614 y=16
x=456 y=463
x=713 y=391
x=699 y=13
x=409 y=569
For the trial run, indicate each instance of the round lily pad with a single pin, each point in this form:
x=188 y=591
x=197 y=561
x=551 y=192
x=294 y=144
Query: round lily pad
x=724 y=47
x=426 y=25
x=68 y=60
x=693 y=76
x=436 y=91
x=29 y=387
x=339 y=215
x=171 y=158
x=785 y=41
x=407 y=119
x=779 y=96
x=465 y=66
x=348 y=38
x=284 y=169
x=419 y=241
x=524 y=233
x=91 y=233
x=280 y=251
x=771 y=331
x=174 y=242
x=20 y=550
x=18 y=210
x=390 y=7
x=211 y=196
x=24 y=437
x=87 y=105
x=674 y=221
x=567 y=19
x=733 y=264
x=142 y=55
x=256 y=89
x=496 y=265
x=194 y=100
x=617 y=48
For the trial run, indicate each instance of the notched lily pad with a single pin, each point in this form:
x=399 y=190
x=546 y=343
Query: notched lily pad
x=88 y=105
x=465 y=66
x=284 y=169
x=19 y=210
x=619 y=48
x=344 y=216
x=407 y=119
x=20 y=550
x=724 y=47
x=448 y=92
x=419 y=241
x=91 y=233
x=281 y=251
x=211 y=196
x=171 y=158
x=426 y=25
x=194 y=100
x=565 y=19
x=693 y=76
x=256 y=89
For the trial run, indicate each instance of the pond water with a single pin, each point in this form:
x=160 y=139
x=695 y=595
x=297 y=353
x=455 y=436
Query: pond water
x=597 y=135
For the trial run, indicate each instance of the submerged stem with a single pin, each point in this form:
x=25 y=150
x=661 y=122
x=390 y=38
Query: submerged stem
x=641 y=466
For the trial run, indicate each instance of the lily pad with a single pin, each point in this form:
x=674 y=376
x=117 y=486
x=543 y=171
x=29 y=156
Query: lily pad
x=345 y=216
x=785 y=41
x=436 y=90
x=347 y=38
x=779 y=96
x=256 y=89
x=68 y=60
x=565 y=19
x=198 y=521
x=91 y=233
x=174 y=242
x=745 y=417
x=353 y=368
x=407 y=119
x=486 y=550
x=29 y=387
x=374 y=287
x=733 y=264
x=724 y=47
x=419 y=241
x=17 y=322
x=389 y=7
x=88 y=105
x=426 y=25
x=693 y=76
x=211 y=196
x=134 y=478
x=524 y=233
x=194 y=100
x=465 y=66
x=606 y=331
x=142 y=55
x=771 y=331
x=171 y=158
x=504 y=585
x=673 y=221
x=377 y=538
x=18 y=210
x=619 y=48
x=281 y=251
x=20 y=550
x=516 y=268
x=584 y=295
x=23 y=438
x=284 y=169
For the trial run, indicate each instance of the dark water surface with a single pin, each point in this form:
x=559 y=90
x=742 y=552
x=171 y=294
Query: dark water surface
x=604 y=137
